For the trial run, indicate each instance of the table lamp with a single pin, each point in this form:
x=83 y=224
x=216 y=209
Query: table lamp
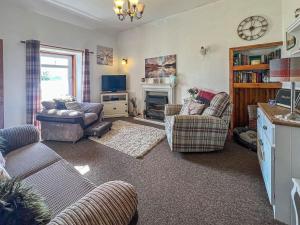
x=287 y=70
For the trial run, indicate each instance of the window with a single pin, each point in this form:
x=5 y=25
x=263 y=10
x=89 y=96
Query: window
x=57 y=76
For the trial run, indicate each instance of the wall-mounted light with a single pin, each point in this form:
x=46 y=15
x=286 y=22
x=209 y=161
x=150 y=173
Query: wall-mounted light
x=203 y=51
x=124 y=61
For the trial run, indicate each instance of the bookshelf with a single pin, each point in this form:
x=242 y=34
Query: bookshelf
x=249 y=78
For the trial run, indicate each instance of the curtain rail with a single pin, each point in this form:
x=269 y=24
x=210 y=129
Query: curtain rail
x=57 y=47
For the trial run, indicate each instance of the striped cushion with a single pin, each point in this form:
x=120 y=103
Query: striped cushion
x=217 y=105
x=113 y=203
x=20 y=136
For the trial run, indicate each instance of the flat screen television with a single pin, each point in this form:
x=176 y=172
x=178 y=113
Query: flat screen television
x=113 y=83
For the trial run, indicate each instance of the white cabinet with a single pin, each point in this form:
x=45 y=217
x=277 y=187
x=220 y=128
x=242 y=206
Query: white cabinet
x=114 y=104
x=279 y=158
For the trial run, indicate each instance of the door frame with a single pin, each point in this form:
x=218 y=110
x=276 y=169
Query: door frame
x=1 y=86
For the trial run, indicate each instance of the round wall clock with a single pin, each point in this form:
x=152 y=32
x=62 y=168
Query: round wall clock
x=252 y=28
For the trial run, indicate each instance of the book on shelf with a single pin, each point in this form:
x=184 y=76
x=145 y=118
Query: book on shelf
x=240 y=59
x=250 y=77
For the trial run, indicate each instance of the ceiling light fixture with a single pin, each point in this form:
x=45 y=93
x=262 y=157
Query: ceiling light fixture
x=134 y=9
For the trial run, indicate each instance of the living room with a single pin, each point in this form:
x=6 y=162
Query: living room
x=175 y=114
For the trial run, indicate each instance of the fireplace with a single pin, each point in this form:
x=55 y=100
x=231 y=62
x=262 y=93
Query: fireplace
x=155 y=97
x=155 y=103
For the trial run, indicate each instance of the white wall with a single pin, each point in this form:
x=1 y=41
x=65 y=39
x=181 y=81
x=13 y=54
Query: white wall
x=17 y=24
x=213 y=26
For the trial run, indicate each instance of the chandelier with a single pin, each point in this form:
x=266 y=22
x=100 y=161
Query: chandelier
x=134 y=9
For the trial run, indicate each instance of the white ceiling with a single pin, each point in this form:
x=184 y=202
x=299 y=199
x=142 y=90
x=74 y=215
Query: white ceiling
x=98 y=14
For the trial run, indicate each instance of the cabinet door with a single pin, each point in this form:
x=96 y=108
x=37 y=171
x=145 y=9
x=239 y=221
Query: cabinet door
x=265 y=154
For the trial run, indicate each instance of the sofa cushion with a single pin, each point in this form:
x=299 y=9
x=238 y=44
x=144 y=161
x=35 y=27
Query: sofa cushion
x=29 y=159
x=217 y=105
x=74 y=106
x=48 y=104
x=90 y=118
x=60 y=185
x=3 y=173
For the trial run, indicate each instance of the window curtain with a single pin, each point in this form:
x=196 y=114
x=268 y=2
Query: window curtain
x=33 y=82
x=86 y=77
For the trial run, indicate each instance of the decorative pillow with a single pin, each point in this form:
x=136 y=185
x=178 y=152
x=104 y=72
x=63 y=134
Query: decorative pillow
x=20 y=205
x=3 y=176
x=196 y=108
x=217 y=105
x=185 y=108
x=3 y=146
x=60 y=102
x=74 y=106
x=191 y=107
x=48 y=104
x=205 y=96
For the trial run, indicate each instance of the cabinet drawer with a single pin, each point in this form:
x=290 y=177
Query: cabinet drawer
x=110 y=109
x=265 y=126
x=265 y=154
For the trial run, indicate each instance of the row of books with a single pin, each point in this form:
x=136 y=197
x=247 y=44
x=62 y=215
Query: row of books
x=251 y=77
x=242 y=59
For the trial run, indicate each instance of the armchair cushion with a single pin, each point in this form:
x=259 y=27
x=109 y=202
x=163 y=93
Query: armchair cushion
x=20 y=136
x=48 y=104
x=112 y=203
x=217 y=105
x=191 y=107
x=172 y=109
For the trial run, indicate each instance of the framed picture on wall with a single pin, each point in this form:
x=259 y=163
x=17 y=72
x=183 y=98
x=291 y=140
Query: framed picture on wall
x=290 y=41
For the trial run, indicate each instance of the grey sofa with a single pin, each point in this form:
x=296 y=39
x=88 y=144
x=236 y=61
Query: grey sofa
x=68 y=125
x=72 y=199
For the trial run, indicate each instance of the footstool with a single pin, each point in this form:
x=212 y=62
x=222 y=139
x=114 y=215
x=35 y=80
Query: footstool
x=98 y=129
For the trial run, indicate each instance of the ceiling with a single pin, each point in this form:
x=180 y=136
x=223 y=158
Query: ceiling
x=98 y=14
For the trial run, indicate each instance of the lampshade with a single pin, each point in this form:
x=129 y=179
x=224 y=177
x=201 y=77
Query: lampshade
x=285 y=70
x=141 y=7
x=119 y=4
x=134 y=2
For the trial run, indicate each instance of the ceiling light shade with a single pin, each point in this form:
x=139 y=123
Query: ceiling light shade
x=134 y=2
x=119 y=4
x=133 y=9
x=117 y=11
x=140 y=7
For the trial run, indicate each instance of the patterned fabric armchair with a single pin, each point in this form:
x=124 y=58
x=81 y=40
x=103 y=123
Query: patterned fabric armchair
x=196 y=133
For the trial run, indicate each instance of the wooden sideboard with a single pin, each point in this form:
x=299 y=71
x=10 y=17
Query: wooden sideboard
x=279 y=157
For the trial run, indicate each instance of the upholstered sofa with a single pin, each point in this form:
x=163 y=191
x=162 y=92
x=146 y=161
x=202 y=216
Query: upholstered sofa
x=199 y=133
x=72 y=199
x=68 y=125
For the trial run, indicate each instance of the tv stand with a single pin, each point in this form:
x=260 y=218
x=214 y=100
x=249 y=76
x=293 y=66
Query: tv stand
x=115 y=104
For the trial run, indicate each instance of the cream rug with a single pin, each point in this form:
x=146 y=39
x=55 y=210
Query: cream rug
x=130 y=138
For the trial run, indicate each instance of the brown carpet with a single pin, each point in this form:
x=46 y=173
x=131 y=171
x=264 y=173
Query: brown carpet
x=181 y=189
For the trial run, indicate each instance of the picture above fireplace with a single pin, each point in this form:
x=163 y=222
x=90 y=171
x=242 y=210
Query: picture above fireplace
x=163 y=66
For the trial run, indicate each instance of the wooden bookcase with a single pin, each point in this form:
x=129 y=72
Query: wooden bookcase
x=243 y=93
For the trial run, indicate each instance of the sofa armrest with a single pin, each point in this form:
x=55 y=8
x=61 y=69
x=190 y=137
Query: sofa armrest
x=20 y=136
x=172 y=109
x=92 y=107
x=114 y=202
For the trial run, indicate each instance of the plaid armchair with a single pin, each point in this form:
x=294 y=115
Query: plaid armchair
x=196 y=133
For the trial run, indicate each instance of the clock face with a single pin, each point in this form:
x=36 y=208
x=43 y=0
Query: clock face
x=252 y=28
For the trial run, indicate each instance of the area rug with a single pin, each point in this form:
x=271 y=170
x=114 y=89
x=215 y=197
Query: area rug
x=130 y=138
